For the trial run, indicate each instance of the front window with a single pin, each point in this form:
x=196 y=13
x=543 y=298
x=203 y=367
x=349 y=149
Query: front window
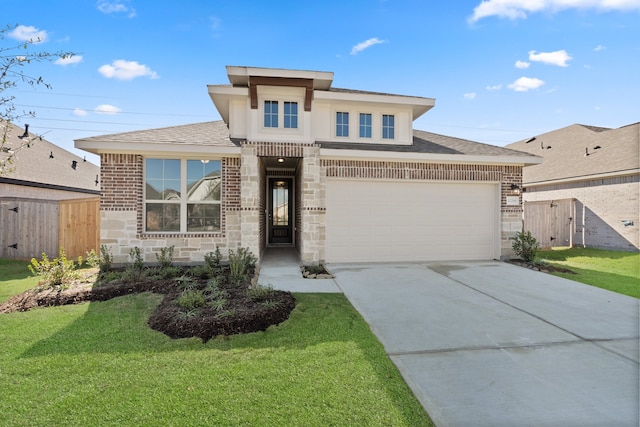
x=291 y=115
x=182 y=195
x=388 y=126
x=271 y=114
x=342 y=124
x=365 y=125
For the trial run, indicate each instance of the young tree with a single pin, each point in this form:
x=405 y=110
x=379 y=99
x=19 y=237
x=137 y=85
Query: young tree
x=14 y=58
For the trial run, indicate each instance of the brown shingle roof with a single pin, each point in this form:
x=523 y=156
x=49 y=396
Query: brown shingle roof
x=566 y=158
x=33 y=164
x=206 y=133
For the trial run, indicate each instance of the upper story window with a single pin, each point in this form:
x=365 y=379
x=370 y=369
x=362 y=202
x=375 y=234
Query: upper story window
x=365 y=125
x=342 y=124
x=291 y=115
x=388 y=126
x=271 y=114
x=182 y=195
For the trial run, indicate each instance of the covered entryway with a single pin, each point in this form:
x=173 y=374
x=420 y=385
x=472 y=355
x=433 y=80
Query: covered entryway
x=381 y=221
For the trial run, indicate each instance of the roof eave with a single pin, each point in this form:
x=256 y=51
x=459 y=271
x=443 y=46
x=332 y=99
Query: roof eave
x=184 y=149
x=334 y=153
x=581 y=178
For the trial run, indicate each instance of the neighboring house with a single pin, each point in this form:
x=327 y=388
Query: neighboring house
x=48 y=198
x=338 y=174
x=586 y=192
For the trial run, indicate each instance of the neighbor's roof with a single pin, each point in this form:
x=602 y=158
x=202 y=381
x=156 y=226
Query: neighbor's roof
x=565 y=153
x=202 y=137
x=34 y=166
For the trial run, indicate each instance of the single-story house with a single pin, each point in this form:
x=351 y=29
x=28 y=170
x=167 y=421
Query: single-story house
x=48 y=198
x=339 y=174
x=587 y=188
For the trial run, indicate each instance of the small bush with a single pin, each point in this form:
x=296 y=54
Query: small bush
x=93 y=259
x=240 y=264
x=165 y=257
x=55 y=273
x=137 y=262
x=185 y=282
x=218 y=304
x=106 y=259
x=260 y=292
x=191 y=299
x=213 y=259
x=525 y=246
x=201 y=271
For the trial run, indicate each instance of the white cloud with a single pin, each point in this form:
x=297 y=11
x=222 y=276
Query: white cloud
x=366 y=44
x=599 y=48
x=470 y=95
x=107 y=109
x=75 y=59
x=518 y=9
x=79 y=112
x=26 y=33
x=126 y=70
x=559 y=57
x=116 y=6
x=495 y=87
x=524 y=84
x=522 y=64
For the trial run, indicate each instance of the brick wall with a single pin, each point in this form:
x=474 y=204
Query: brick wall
x=122 y=210
x=601 y=206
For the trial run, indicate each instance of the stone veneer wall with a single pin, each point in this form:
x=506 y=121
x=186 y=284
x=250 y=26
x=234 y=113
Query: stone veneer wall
x=510 y=216
x=122 y=209
x=606 y=203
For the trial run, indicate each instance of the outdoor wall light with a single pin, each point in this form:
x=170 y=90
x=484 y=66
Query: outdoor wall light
x=280 y=160
x=516 y=188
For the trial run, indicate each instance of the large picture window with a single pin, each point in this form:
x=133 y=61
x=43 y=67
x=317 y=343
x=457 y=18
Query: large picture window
x=182 y=195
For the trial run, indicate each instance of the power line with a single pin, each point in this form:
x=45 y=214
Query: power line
x=119 y=112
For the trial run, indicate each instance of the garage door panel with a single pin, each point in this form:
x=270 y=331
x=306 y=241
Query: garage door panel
x=410 y=221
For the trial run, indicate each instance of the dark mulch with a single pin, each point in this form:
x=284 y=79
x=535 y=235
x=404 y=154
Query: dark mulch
x=240 y=314
x=545 y=268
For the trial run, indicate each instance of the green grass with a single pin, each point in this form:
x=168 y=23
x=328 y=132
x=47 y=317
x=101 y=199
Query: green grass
x=15 y=277
x=100 y=364
x=612 y=270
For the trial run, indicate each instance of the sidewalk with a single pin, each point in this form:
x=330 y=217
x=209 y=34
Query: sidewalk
x=280 y=268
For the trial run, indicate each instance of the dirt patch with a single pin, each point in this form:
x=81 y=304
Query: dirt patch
x=228 y=308
x=316 y=272
x=545 y=268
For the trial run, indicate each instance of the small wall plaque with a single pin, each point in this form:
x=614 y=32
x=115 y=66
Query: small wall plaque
x=513 y=200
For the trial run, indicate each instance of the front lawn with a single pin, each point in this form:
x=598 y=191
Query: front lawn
x=99 y=363
x=612 y=270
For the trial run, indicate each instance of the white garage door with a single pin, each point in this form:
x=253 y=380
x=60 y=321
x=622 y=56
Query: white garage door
x=411 y=221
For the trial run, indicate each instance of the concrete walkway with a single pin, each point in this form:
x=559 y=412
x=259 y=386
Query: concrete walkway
x=492 y=344
x=280 y=268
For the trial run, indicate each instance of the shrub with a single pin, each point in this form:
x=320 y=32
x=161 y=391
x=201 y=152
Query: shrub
x=525 y=246
x=137 y=263
x=105 y=260
x=201 y=271
x=191 y=299
x=57 y=272
x=213 y=259
x=93 y=259
x=165 y=257
x=240 y=264
x=260 y=292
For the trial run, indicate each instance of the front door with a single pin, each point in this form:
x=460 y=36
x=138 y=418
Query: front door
x=280 y=211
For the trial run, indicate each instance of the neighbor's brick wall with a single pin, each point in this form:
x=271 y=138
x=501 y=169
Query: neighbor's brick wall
x=122 y=209
x=510 y=216
x=606 y=202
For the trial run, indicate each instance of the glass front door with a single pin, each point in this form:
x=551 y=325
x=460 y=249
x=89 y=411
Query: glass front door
x=280 y=211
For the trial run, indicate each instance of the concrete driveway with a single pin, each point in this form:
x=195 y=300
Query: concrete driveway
x=492 y=344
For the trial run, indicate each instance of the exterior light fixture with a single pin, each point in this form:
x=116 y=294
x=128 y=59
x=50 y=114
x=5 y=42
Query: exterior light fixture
x=515 y=188
x=280 y=160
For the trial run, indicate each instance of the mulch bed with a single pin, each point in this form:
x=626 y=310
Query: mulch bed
x=545 y=268
x=242 y=314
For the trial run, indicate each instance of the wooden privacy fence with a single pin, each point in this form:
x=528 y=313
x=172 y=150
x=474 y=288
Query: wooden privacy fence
x=30 y=227
x=551 y=222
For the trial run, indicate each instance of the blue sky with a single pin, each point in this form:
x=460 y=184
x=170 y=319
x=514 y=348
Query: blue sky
x=500 y=70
